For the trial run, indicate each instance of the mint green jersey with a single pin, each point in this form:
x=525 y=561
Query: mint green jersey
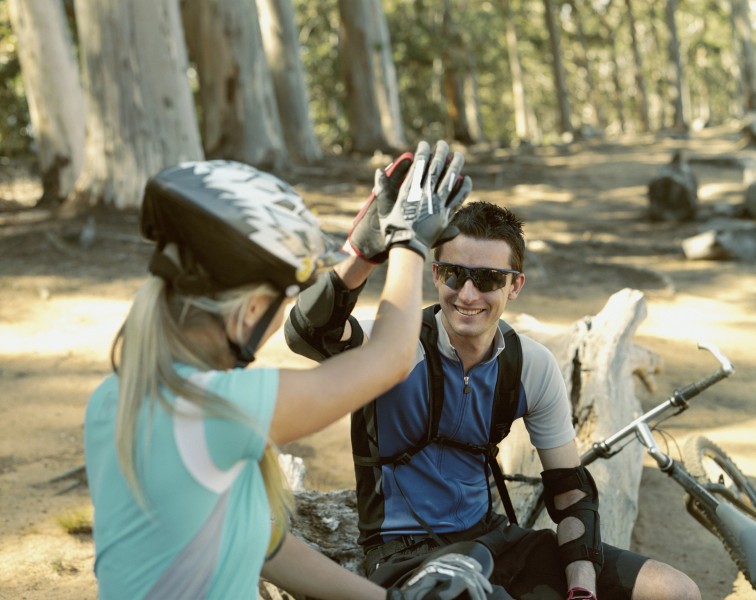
x=206 y=526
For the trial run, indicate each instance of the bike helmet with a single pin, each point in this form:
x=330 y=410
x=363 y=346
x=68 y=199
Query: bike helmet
x=241 y=225
x=233 y=225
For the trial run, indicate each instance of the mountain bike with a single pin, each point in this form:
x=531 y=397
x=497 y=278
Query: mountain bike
x=718 y=495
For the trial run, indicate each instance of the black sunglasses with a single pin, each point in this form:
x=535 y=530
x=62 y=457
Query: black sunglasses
x=485 y=279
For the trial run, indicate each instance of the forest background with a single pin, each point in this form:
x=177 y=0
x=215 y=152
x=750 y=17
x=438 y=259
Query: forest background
x=564 y=109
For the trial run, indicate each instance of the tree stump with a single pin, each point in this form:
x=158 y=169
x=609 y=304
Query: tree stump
x=673 y=193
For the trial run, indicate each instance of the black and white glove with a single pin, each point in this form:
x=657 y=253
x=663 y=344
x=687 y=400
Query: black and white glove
x=430 y=193
x=367 y=239
x=444 y=578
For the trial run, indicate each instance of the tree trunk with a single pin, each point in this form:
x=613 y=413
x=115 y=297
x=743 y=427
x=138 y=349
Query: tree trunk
x=140 y=115
x=372 y=91
x=522 y=131
x=460 y=81
x=279 y=33
x=240 y=118
x=560 y=78
x=596 y=118
x=618 y=93
x=53 y=93
x=681 y=116
x=741 y=18
x=640 y=80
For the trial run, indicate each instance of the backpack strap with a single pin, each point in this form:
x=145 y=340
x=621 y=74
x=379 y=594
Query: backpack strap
x=505 y=408
x=429 y=340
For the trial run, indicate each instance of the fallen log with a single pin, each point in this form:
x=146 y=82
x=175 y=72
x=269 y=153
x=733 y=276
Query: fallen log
x=599 y=363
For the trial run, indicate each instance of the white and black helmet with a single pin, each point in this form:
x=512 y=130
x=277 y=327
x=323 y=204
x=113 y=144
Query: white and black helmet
x=240 y=224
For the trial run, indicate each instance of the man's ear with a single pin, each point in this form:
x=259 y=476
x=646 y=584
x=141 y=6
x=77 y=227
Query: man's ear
x=434 y=271
x=517 y=286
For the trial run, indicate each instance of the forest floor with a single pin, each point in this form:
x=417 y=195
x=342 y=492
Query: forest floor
x=584 y=206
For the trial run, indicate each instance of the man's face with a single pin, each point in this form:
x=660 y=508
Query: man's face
x=468 y=312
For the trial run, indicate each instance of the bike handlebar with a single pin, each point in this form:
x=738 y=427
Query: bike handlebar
x=603 y=449
x=692 y=390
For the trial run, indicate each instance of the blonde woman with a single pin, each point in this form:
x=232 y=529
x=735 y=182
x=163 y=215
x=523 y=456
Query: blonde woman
x=180 y=440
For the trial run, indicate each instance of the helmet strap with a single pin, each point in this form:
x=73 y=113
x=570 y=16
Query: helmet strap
x=246 y=354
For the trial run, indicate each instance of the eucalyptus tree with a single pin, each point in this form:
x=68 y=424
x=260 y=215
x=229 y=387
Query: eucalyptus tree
x=560 y=77
x=53 y=93
x=282 y=50
x=460 y=76
x=140 y=110
x=239 y=113
x=372 y=94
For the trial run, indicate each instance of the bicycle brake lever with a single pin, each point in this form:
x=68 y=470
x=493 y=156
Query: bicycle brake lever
x=717 y=353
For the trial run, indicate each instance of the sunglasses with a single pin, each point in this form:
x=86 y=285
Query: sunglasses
x=485 y=279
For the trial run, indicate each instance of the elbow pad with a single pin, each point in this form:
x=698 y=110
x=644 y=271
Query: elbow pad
x=316 y=323
x=587 y=546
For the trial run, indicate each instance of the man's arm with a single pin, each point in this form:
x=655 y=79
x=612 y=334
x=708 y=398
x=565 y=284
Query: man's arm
x=320 y=324
x=572 y=501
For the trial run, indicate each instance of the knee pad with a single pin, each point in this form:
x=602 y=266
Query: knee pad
x=588 y=545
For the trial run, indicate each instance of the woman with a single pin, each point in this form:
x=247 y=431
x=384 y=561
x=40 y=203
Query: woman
x=180 y=440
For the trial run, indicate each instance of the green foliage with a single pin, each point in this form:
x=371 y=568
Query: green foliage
x=595 y=46
x=15 y=129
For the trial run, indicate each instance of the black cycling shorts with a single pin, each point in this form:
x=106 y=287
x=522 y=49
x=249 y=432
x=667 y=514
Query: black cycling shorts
x=528 y=565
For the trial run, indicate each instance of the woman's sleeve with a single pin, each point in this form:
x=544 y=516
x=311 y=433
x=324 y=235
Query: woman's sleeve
x=254 y=392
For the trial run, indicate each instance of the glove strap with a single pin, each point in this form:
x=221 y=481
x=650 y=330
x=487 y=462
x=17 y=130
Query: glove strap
x=580 y=593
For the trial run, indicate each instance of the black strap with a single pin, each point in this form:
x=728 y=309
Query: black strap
x=429 y=340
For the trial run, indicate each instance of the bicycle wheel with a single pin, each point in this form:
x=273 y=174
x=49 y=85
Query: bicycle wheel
x=717 y=473
x=709 y=464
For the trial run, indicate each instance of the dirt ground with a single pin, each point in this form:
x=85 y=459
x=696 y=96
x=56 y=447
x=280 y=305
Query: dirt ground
x=584 y=205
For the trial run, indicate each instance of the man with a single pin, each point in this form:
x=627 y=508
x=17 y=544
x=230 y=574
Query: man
x=415 y=491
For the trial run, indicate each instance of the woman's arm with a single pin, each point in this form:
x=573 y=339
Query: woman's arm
x=308 y=400
x=300 y=569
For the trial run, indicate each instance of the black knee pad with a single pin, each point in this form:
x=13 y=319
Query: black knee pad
x=587 y=546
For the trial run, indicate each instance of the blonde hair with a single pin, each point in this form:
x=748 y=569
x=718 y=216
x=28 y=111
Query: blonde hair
x=161 y=329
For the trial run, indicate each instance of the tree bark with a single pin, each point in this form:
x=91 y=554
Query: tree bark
x=140 y=110
x=240 y=118
x=560 y=77
x=372 y=92
x=53 y=93
x=279 y=33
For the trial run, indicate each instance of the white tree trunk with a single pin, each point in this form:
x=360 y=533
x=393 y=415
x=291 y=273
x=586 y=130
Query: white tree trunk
x=141 y=115
x=372 y=90
x=279 y=33
x=53 y=92
x=240 y=118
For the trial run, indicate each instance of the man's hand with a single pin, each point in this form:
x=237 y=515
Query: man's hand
x=580 y=593
x=445 y=578
x=431 y=192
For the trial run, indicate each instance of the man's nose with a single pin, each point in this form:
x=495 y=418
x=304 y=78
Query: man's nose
x=468 y=289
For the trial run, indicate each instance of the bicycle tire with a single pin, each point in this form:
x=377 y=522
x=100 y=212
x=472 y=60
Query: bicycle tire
x=707 y=463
